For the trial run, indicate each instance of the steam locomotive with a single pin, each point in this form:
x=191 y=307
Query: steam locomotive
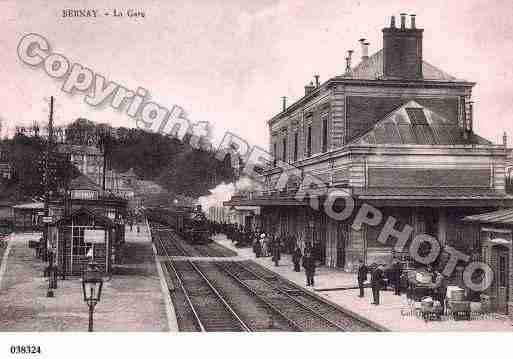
x=189 y=222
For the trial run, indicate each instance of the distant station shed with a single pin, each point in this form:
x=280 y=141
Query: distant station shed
x=80 y=238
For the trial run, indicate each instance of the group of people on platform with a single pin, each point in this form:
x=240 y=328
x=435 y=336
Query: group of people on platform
x=381 y=277
x=378 y=276
x=273 y=246
x=377 y=281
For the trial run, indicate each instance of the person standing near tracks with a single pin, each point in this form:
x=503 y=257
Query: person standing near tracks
x=397 y=271
x=309 y=265
x=276 y=251
x=257 y=247
x=376 y=283
x=363 y=270
x=263 y=245
x=296 y=258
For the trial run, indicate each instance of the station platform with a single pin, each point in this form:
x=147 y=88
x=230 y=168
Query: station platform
x=132 y=299
x=393 y=312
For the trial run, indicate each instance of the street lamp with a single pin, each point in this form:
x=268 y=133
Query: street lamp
x=51 y=273
x=92 y=282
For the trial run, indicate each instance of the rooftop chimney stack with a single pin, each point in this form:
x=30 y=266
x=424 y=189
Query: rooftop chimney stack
x=348 y=61
x=403 y=21
x=365 y=49
x=402 y=51
x=392 y=22
x=316 y=80
x=284 y=98
x=468 y=119
x=309 y=88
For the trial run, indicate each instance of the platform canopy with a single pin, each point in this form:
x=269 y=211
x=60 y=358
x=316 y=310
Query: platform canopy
x=502 y=216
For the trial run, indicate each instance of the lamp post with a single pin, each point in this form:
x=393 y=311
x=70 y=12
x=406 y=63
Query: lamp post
x=92 y=282
x=52 y=276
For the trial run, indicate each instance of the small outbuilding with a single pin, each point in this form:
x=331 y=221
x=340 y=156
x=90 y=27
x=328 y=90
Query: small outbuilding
x=495 y=237
x=27 y=216
x=80 y=238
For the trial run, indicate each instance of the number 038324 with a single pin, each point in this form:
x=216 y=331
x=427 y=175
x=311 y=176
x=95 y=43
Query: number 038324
x=25 y=349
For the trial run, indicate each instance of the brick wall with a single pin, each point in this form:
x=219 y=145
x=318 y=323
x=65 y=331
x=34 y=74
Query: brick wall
x=431 y=177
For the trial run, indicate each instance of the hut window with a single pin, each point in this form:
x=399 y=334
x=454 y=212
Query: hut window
x=80 y=248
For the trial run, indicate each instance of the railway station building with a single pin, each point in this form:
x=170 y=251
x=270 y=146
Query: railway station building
x=394 y=132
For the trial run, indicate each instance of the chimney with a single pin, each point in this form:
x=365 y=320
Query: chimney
x=412 y=20
x=309 y=88
x=316 y=80
x=392 y=22
x=403 y=21
x=402 y=51
x=348 y=60
x=365 y=49
x=284 y=98
x=468 y=119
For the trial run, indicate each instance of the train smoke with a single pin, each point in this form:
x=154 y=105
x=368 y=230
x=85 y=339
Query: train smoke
x=223 y=192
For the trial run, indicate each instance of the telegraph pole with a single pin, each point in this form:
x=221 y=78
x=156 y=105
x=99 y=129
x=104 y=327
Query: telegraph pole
x=47 y=179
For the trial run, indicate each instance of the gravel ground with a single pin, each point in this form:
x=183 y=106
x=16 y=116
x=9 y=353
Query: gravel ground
x=131 y=299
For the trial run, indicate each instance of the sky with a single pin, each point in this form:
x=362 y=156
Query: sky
x=230 y=62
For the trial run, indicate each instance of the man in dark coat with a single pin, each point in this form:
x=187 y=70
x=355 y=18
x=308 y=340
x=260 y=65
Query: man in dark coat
x=276 y=250
x=376 y=283
x=397 y=271
x=296 y=258
x=309 y=265
x=362 y=276
x=257 y=248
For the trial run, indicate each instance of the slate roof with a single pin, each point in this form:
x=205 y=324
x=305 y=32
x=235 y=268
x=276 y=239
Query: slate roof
x=92 y=213
x=83 y=182
x=372 y=69
x=415 y=124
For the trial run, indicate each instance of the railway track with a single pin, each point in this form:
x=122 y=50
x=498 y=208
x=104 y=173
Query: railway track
x=302 y=317
x=203 y=303
x=178 y=248
x=216 y=296
x=345 y=321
